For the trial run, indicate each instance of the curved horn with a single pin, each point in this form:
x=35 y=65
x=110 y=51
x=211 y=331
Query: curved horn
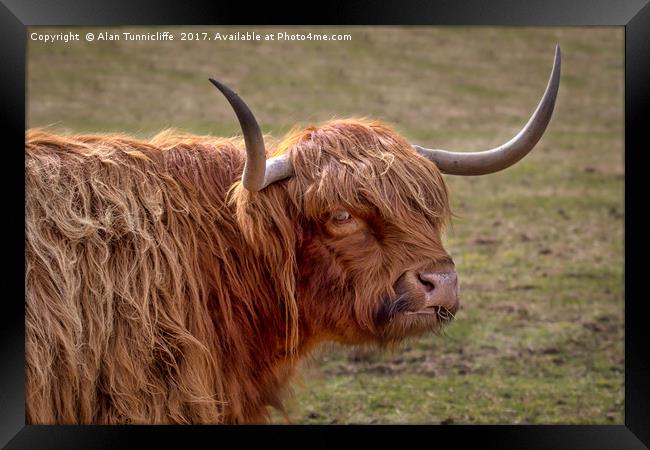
x=499 y=158
x=258 y=172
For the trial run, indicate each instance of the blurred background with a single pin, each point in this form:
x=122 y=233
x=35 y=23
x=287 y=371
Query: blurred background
x=538 y=247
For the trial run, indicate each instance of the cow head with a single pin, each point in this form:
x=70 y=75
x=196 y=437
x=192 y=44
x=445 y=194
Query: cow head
x=349 y=217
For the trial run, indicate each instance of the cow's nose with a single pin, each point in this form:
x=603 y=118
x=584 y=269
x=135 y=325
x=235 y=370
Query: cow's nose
x=440 y=289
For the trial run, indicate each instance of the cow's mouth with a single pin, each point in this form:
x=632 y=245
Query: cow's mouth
x=406 y=306
x=408 y=316
x=442 y=314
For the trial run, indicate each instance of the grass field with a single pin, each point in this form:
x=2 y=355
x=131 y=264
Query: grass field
x=539 y=247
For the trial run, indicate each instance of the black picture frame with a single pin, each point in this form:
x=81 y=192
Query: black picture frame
x=634 y=15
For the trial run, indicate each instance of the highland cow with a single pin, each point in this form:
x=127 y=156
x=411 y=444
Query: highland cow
x=181 y=279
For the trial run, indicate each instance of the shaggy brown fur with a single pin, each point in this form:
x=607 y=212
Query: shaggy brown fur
x=161 y=291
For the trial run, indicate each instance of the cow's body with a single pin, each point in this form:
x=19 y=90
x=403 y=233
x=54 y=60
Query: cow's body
x=142 y=302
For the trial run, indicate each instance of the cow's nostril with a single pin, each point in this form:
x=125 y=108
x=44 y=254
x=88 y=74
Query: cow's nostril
x=428 y=285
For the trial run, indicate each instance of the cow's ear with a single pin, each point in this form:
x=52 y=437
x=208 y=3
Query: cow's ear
x=266 y=219
x=268 y=222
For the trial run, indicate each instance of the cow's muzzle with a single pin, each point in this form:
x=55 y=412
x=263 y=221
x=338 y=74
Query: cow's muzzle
x=441 y=290
x=434 y=292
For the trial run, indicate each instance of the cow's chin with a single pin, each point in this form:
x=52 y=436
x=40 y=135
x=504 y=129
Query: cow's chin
x=408 y=324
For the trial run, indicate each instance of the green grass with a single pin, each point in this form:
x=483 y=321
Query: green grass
x=474 y=399
x=539 y=247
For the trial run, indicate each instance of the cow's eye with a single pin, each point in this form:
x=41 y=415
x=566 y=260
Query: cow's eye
x=341 y=216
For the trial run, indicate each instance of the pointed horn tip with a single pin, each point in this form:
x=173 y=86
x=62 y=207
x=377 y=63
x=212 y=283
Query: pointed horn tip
x=217 y=84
